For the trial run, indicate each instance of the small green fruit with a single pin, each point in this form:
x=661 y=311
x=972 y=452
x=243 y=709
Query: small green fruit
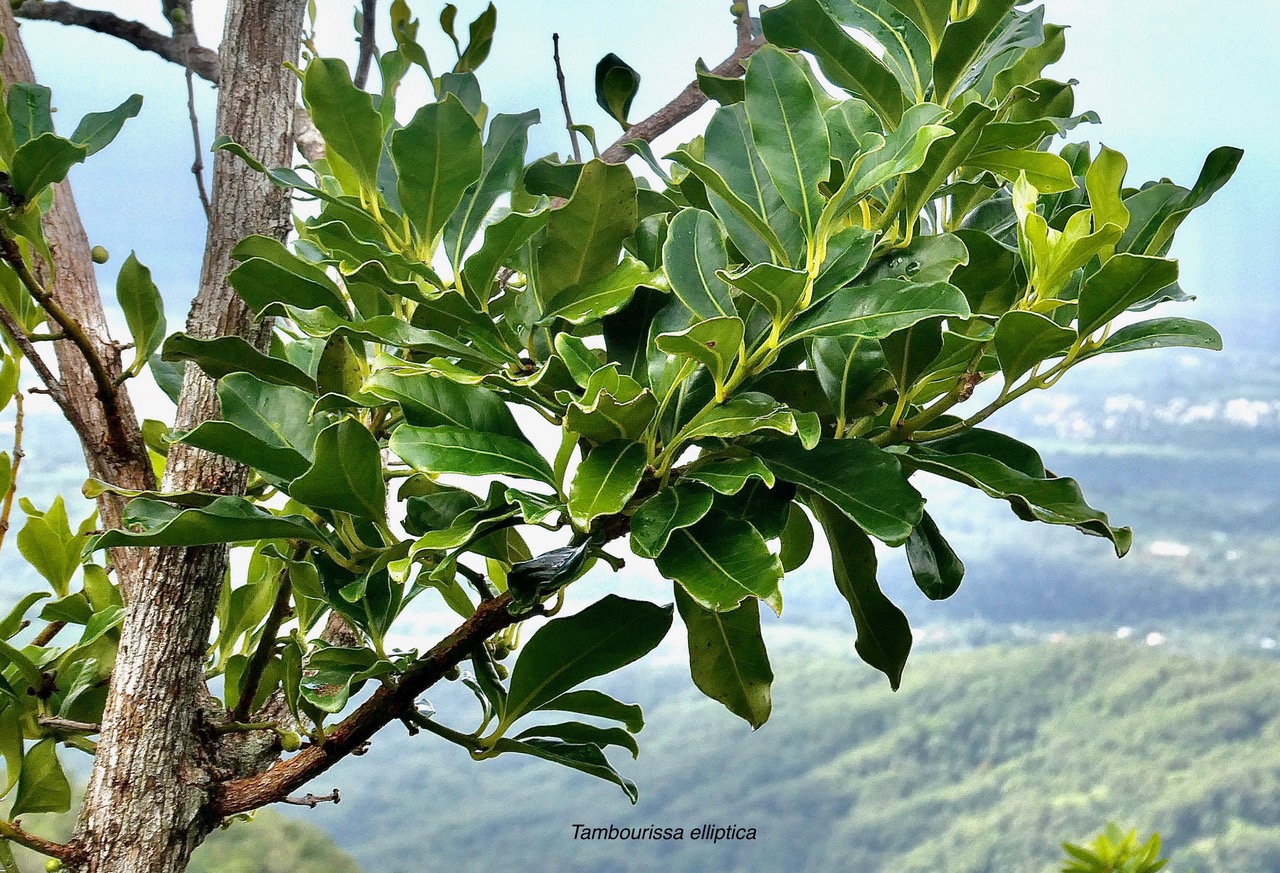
x=99 y=255
x=290 y=741
x=737 y=9
x=453 y=673
x=502 y=670
x=53 y=865
x=501 y=652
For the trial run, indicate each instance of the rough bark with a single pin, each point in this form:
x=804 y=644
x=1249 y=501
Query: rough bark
x=147 y=805
x=112 y=442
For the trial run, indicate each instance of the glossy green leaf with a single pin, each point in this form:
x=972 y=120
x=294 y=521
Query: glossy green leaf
x=864 y=482
x=735 y=207
x=385 y=329
x=1160 y=333
x=565 y=652
x=930 y=16
x=730 y=475
x=714 y=343
x=594 y=299
x=345 y=117
x=479 y=41
x=721 y=561
x=432 y=401
x=745 y=412
x=273 y=461
x=43 y=161
x=585 y=235
x=907 y=52
x=788 y=130
x=936 y=568
x=1004 y=468
x=848 y=253
x=693 y=256
x=346 y=474
x=333 y=673
x=97 y=129
x=1104 y=181
x=664 y=513
x=29 y=110
x=805 y=24
x=725 y=90
x=605 y=480
x=778 y=289
x=502 y=160
x=1024 y=339
x=963 y=47
x=1154 y=223
x=466 y=452
x=727 y=657
x=580 y=733
x=1124 y=280
x=616 y=86
x=143 y=309
x=532 y=580
x=279 y=415
x=586 y=757
x=587 y=701
x=1048 y=172
x=884 y=634
x=945 y=156
x=42 y=787
x=11 y=745
x=613 y=406
x=13 y=622
x=877 y=310
x=437 y=155
x=224 y=355
x=284 y=280
x=797 y=539
x=225 y=520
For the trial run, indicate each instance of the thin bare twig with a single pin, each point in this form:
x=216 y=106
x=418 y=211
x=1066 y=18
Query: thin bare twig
x=564 y=98
x=197 y=166
x=55 y=723
x=18 y=455
x=261 y=657
x=368 y=42
x=51 y=630
x=202 y=61
x=314 y=800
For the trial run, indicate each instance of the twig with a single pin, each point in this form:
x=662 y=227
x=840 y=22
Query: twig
x=54 y=723
x=564 y=97
x=368 y=22
x=200 y=60
x=685 y=104
x=13 y=832
x=18 y=455
x=314 y=800
x=197 y=166
x=252 y=678
x=50 y=631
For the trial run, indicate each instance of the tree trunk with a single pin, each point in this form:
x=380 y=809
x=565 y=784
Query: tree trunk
x=147 y=804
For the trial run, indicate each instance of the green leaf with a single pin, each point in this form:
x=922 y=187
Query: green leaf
x=1104 y=181
x=279 y=415
x=283 y=279
x=884 y=634
x=693 y=256
x=282 y=463
x=1048 y=172
x=778 y=289
x=797 y=539
x=1024 y=339
x=586 y=757
x=605 y=480
x=964 y=48
x=143 y=310
x=664 y=513
x=42 y=787
x=345 y=117
x=721 y=561
x=727 y=657
x=730 y=475
x=346 y=474
x=1151 y=229
x=10 y=747
x=386 y=329
x=43 y=161
x=433 y=401
x=587 y=701
x=864 y=482
x=532 y=580
x=585 y=235
x=847 y=255
x=935 y=567
x=714 y=343
x=1007 y=469
x=502 y=161
x=805 y=24
x=97 y=129
x=946 y=155
x=225 y=520
x=466 y=452
x=616 y=86
x=29 y=111
x=1124 y=280
x=744 y=413
x=479 y=40
x=590 y=301
x=879 y=309
x=907 y=52
x=788 y=130
x=44 y=541
x=224 y=355
x=1160 y=333
x=333 y=672
x=725 y=90
x=930 y=16
x=579 y=733
x=437 y=155
x=565 y=652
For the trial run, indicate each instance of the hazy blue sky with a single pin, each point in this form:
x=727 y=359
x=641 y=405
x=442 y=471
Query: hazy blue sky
x=1171 y=79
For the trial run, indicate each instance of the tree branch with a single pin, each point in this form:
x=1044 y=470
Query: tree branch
x=200 y=60
x=564 y=97
x=368 y=40
x=13 y=832
x=685 y=104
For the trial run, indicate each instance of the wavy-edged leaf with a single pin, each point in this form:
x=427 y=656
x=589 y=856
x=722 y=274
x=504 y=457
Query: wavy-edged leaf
x=346 y=474
x=863 y=481
x=586 y=757
x=714 y=343
x=585 y=235
x=778 y=289
x=749 y=412
x=42 y=787
x=224 y=355
x=721 y=561
x=735 y=208
x=1024 y=339
x=693 y=255
x=728 y=476
x=591 y=301
x=438 y=155
x=1122 y=281
x=605 y=480
x=907 y=52
x=532 y=580
x=225 y=520
x=616 y=85
x=879 y=309
x=727 y=657
x=97 y=129
x=1047 y=171
x=41 y=162
x=965 y=47
x=447 y=449
x=681 y=505
x=588 y=701
x=432 y=401
x=578 y=732
x=279 y=415
x=1160 y=333
x=884 y=634
x=345 y=117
